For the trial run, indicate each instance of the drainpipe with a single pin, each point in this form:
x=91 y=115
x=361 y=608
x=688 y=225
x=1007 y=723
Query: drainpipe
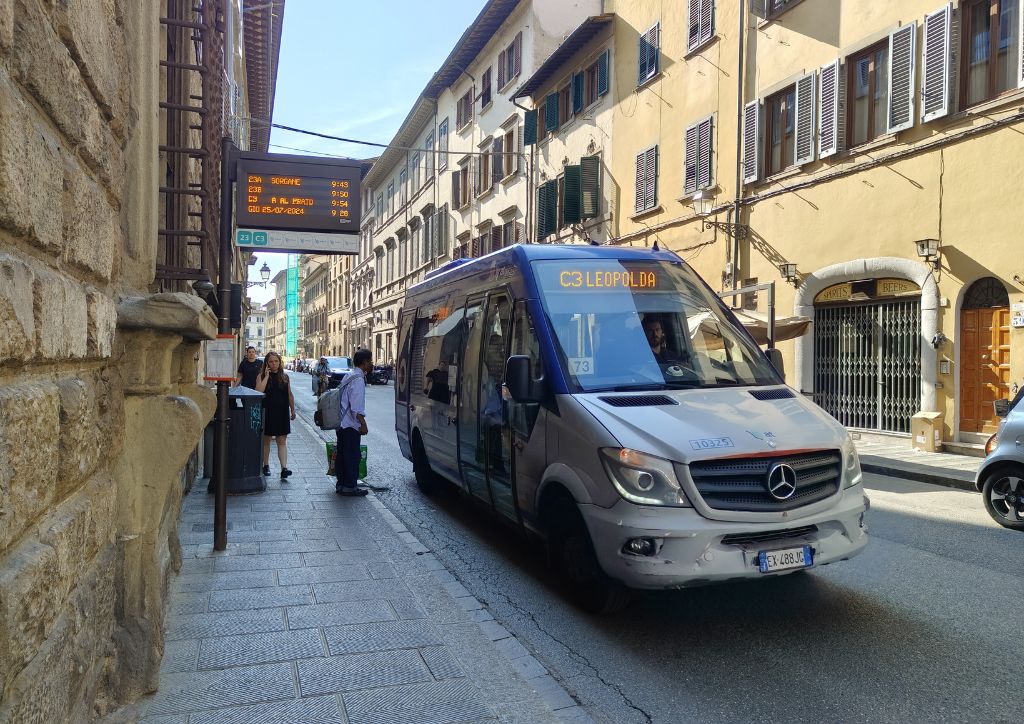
x=741 y=26
x=529 y=173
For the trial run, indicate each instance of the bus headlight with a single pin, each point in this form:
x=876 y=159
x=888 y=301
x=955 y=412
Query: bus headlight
x=852 y=474
x=642 y=478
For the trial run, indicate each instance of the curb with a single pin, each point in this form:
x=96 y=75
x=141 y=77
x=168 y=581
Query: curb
x=956 y=479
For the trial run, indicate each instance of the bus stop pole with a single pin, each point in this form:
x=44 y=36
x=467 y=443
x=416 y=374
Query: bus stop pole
x=220 y=437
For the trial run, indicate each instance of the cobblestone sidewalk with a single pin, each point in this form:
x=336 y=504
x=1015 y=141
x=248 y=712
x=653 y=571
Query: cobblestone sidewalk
x=325 y=609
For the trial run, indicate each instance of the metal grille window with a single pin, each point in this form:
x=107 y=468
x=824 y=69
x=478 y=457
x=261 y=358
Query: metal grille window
x=867 y=362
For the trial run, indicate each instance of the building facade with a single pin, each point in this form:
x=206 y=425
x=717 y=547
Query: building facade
x=875 y=149
x=280 y=320
x=256 y=328
x=314 y=277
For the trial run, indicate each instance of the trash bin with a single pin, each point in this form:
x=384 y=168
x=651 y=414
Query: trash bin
x=245 y=442
x=926 y=431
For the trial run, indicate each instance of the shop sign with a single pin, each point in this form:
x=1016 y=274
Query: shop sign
x=866 y=290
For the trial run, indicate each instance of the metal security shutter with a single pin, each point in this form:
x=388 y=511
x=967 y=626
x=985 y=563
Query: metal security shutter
x=935 y=72
x=828 y=110
x=602 y=73
x=804 y=131
x=571 y=195
x=751 y=141
x=901 y=78
x=590 y=186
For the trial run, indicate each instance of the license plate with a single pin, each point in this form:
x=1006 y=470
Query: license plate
x=780 y=560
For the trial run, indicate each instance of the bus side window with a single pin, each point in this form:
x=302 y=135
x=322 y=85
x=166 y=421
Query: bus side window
x=525 y=342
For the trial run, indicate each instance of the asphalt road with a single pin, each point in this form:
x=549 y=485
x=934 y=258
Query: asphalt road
x=924 y=626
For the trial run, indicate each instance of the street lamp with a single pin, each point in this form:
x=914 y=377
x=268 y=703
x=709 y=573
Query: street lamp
x=788 y=272
x=928 y=250
x=264 y=274
x=703 y=205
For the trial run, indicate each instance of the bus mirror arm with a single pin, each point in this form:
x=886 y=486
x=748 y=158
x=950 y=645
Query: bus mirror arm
x=517 y=379
x=775 y=358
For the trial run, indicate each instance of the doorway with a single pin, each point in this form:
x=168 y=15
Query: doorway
x=984 y=354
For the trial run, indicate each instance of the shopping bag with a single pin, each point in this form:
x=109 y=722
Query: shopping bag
x=331 y=453
x=362 y=462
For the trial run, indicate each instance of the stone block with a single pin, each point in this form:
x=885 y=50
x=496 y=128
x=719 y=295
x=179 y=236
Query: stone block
x=17 y=323
x=28 y=455
x=27 y=608
x=79 y=451
x=31 y=172
x=62 y=318
x=6 y=23
x=102 y=324
x=92 y=227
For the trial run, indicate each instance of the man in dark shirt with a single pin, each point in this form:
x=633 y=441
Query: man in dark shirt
x=248 y=369
x=659 y=343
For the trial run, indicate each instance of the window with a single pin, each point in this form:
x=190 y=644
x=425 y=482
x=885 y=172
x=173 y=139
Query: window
x=464 y=110
x=698 y=144
x=403 y=187
x=380 y=211
x=701 y=23
x=510 y=61
x=646 y=180
x=391 y=263
x=564 y=105
x=441 y=231
x=867 y=100
x=485 y=89
x=391 y=198
x=511 y=156
x=460 y=186
x=649 y=52
x=442 y=144
x=590 y=85
x=498 y=159
x=777 y=7
x=403 y=251
x=779 y=112
x=416 y=173
x=483 y=173
x=990 y=49
x=429 y=155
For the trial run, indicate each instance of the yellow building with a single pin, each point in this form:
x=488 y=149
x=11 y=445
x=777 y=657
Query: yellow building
x=875 y=146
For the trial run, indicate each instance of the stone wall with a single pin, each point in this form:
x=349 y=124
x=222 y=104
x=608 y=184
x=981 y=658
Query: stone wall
x=99 y=410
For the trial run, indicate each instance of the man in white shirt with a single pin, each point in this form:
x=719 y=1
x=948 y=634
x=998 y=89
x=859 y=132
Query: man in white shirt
x=352 y=409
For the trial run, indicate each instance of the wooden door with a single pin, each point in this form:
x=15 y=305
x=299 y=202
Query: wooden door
x=984 y=366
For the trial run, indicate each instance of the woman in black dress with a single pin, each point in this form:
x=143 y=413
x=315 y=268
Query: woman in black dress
x=278 y=410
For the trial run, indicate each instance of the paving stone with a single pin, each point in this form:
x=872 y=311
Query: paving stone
x=185 y=603
x=480 y=614
x=305 y=545
x=322 y=574
x=197 y=582
x=552 y=692
x=258 y=562
x=407 y=608
x=337 y=558
x=380 y=636
x=456 y=589
x=361 y=671
x=510 y=648
x=494 y=630
x=196 y=565
x=574 y=714
x=528 y=667
x=382 y=570
x=333 y=515
x=211 y=689
x=360 y=591
x=438 y=702
x=169 y=719
x=441 y=663
x=206 y=625
x=275 y=506
x=314 y=710
x=260 y=598
x=241 y=536
x=247 y=548
x=334 y=614
x=180 y=656
x=262 y=648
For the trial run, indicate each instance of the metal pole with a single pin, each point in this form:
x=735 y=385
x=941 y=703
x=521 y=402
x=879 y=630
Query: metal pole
x=220 y=438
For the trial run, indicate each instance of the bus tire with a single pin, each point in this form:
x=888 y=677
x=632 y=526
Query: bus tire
x=426 y=479
x=572 y=553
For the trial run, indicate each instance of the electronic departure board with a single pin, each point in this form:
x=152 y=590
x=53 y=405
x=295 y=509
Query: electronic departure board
x=286 y=194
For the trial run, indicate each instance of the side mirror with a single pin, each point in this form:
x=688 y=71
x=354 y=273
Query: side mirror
x=774 y=357
x=1001 y=407
x=517 y=379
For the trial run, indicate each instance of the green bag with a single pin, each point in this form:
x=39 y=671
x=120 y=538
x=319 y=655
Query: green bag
x=362 y=462
x=330 y=457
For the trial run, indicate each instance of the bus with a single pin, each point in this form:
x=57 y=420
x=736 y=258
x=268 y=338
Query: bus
x=605 y=401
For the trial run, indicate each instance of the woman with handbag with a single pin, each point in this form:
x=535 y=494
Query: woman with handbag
x=278 y=411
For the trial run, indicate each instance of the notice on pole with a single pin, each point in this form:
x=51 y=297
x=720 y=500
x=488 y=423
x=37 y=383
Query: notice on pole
x=220 y=359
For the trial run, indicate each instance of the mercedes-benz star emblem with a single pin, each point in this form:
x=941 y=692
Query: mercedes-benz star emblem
x=781 y=481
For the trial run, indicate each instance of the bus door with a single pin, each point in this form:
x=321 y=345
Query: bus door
x=437 y=339
x=471 y=454
x=402 y=379
x=528 y=445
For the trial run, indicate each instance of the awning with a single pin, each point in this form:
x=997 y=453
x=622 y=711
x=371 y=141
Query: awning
x=785 y=327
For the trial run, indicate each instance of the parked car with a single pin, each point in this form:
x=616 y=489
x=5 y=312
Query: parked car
x=339 y=367
x=381 y=374
x=1001 y=477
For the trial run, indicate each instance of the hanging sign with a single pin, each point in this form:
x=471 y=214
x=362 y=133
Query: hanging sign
x=308 y=242
x=866 y=290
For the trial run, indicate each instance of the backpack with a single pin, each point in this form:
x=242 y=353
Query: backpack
x=328 y=409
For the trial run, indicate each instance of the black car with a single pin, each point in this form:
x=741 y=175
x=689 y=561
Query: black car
x=338 y=367
x=380 y=375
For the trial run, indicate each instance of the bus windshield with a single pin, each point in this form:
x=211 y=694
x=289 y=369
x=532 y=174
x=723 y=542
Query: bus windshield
x=630 y=325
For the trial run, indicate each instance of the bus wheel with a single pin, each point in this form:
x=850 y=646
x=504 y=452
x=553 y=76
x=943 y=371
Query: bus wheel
x=426 y=479
x=572 y=552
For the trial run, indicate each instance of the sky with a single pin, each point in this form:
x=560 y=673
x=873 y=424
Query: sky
x=354 y=69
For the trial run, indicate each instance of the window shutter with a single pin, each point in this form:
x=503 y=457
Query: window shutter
x=551 y=112
x=690 y=160
x=707 y=20
x=901 y=78
x=803 y=145
x=647 y=179
x=456 y=191
x=517 y=54
x=641 y=181
x=590 y=186
x=572 y=195
x=495 y=238
x=654 y=43
x=474 y=177
x=648 y=55
x=705 y=130
x=751 y=144
x=518 y=156
x=935 y=73
x=498 y=160
x=547 y=209
x=1020 y=46
x=828 y=110
x=577 y=92
x=602 y=73
x=501 y=69
x=693 y=22
x=530 y=128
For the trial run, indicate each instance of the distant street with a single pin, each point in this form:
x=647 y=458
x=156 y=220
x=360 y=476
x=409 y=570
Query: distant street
x=924 y=626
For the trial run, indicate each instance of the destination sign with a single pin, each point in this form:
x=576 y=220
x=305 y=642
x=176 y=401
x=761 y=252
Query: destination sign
x=297 y=195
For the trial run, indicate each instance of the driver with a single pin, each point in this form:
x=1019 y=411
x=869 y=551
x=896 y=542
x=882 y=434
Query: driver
x=655 y=333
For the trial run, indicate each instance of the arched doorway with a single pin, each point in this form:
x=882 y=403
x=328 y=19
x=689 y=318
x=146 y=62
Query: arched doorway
x=984 y=354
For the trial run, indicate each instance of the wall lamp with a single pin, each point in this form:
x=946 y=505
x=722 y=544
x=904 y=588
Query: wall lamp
x=703 y=204
x=264 y=274
x=928 y=250
x=788 y=272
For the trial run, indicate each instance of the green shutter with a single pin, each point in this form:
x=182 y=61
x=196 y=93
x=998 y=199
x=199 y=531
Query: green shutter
x=590 y=186
x=571 y=195
x=541 y=212
x=547 y=209
x=602 y=73
x=551 y=112
x=577 y=92
x=552 y=202
x=530 y=128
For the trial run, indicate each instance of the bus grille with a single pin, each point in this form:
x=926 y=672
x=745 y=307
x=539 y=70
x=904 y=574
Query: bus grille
x=741 y=484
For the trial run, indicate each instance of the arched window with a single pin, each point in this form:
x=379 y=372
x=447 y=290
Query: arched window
x=986 y=293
